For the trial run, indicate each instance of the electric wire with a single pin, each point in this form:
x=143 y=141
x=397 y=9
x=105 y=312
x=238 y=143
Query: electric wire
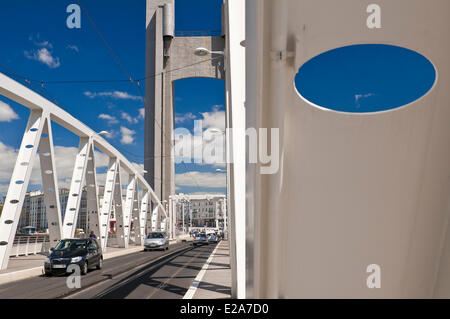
x=135 y=83
x=137 y=86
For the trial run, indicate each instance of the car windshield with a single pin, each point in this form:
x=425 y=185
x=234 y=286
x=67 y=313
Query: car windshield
x=155 y=235
x=71 y=245
x=201 y=235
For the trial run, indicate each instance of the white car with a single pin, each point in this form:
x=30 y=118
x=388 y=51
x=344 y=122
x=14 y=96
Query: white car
x=156 y=240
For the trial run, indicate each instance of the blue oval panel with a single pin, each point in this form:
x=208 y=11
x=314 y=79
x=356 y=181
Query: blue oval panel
x=365 y=78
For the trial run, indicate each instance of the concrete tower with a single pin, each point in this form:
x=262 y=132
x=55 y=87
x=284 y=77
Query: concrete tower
x=169 y=58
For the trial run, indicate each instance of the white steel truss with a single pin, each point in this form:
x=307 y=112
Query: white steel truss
x=155 y=219
x=92 y=204
x=118 y=204
x=107 y=205
x=76 y=189
x=38 y=135
x=124 y=219
x=139 y=223
x=19 y=183
x=50 y=183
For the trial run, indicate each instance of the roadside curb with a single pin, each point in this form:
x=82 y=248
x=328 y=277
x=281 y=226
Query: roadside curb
x=20 y=274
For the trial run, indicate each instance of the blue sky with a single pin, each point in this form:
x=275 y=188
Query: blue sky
x=38 y=45
x=365 y=78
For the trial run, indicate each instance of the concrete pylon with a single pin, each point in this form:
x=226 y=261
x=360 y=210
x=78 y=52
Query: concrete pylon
x=169 y=58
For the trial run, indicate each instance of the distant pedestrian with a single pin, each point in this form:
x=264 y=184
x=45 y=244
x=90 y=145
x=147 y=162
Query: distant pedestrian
x=92 y=235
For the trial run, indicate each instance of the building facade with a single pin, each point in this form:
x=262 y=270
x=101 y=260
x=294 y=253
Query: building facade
x=208 y=210
x=34 y=211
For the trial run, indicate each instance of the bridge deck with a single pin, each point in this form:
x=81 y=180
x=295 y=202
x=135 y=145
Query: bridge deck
x=23 y=267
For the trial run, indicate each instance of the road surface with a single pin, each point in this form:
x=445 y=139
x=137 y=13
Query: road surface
x=141 y=275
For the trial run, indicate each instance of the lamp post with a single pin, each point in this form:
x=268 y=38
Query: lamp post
x=204 y=52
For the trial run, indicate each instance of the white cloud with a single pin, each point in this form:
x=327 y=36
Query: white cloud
x=129 y=118
x=7 y=114
x=214 y=119
x=111 y=119
x=358 y=97
x=64 y=161
x=201 y=179
x=113 y=94
x=7 y=160
x=181 y=118
x=40 y=43
x=206 y=149
x=127 y=135
x=141 y=113
x=134 y=120
x=73 y=48
x=44 y=56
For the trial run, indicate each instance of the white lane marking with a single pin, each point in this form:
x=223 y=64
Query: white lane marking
x=193 y=288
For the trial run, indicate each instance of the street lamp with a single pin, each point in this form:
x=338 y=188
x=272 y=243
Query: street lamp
x=216 y=130
x=105 y=133
x=204 y=52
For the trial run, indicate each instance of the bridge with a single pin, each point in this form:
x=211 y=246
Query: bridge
x=354 y=192
x=38 y=136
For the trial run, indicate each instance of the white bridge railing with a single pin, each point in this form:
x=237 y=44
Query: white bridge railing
x=38 y=139
x=30 y=245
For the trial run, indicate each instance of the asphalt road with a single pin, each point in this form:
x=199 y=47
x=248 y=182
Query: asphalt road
x=141 y=275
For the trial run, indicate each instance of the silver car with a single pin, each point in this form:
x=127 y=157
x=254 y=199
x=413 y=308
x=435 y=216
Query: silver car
x=156 y=240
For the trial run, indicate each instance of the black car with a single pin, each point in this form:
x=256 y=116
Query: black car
x=85 y=252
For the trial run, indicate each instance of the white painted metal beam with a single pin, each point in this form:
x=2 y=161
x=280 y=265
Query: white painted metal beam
x=19 y=183
x=155 y=219
x=84 y=170
x=76 y=188
x=118 y=211
x=140 y=222
x=92 y=204
x=235 y=66
x=107 y=201
x=134 y=212
x=50 y=184
x=26 y=97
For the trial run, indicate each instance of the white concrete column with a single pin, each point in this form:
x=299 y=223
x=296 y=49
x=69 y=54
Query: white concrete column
x=235 y=67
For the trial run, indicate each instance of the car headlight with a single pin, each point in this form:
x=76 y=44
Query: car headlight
x=47 y=260
x=76 y=259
